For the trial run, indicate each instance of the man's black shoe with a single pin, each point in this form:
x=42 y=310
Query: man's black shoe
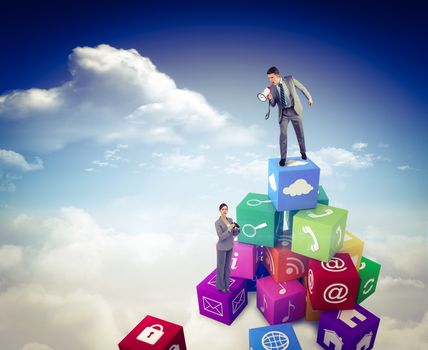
x=282 y=162
x=303 y=155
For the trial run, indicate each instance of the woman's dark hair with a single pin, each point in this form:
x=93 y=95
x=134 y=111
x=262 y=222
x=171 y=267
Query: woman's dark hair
x=273 y=70
x=222 y=205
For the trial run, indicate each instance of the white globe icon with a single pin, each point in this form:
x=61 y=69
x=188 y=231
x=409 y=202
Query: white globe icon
x=275 y=340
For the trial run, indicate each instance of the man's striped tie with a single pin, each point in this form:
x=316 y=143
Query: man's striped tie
x=284 y=104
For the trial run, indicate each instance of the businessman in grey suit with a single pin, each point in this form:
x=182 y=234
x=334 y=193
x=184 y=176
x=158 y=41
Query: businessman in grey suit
x=284 y=94
x=226 y=231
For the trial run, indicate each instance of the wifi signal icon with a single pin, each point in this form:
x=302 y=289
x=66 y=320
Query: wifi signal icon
x=294 y=266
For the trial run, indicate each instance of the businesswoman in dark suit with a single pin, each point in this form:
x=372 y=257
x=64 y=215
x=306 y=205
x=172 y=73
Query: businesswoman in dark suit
x=226 y=231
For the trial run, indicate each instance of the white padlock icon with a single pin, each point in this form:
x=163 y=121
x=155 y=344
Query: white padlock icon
x=152 y=334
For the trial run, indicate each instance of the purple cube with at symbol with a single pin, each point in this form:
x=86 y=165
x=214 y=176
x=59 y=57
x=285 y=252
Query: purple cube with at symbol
x=354 y=329
x=219 y=306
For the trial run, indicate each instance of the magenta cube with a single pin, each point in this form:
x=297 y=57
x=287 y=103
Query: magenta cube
x=280 y=302
x=348 y=329
x=244 y=260
x=219 y=306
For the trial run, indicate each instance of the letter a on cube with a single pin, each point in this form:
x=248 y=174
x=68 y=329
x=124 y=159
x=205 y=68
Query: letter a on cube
x=333 y=285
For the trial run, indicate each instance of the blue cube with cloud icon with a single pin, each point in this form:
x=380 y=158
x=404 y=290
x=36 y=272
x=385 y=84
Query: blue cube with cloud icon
x=277 y=337
x=293 y=186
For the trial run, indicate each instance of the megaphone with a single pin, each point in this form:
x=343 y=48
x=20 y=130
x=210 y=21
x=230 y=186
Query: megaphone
x=264 y=94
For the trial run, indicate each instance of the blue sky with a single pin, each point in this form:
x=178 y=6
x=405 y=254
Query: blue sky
x=138 y=118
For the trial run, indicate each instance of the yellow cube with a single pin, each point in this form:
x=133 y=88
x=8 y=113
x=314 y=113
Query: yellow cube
x=311 y=314
x=354 y=247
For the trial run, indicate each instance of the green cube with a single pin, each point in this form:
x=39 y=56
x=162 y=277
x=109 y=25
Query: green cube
x=260 y=223
x=322 y=198
x=318 y=233
x=369 y=274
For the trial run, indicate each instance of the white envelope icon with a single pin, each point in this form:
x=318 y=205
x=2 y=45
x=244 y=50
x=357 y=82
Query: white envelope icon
x=212 y=281
x=238 y=301
x=213 y=306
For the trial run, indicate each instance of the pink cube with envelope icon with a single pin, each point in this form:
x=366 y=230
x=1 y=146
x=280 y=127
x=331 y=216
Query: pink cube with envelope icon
x=244 y=261
x=280 y=302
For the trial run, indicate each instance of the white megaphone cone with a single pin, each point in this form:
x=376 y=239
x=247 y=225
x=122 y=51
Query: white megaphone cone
x=264 y=94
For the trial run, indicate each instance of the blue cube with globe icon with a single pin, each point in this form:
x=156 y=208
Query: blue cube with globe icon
x=293 y=186
x=278 y=337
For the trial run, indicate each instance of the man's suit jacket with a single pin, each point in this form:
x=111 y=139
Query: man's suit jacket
x=295 y=100
x=225 y=237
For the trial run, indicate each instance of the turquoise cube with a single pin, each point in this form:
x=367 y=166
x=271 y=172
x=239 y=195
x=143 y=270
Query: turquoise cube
x=281 y=336
x=322 y=197
x=260 y=223
x=293 y=186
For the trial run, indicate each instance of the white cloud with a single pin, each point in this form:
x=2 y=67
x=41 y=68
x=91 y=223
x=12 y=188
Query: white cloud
x=14 y=161
x=294 y=162
x=82 y=286
x=272 y=146
x=298 y=188
x=236 y=135
x=7 y=182
x=404 y=167
x=179 y=161
x=251 y=155
x=256 y=168
x=116 y=96
x=359 y=146
x=328 y=158
x=386 y=247
x=12 y=164
x=10 y=256
x=383 y=145
x=112 y=157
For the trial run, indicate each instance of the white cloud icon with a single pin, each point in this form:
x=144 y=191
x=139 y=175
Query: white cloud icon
x=295 y=163
x=297 y=188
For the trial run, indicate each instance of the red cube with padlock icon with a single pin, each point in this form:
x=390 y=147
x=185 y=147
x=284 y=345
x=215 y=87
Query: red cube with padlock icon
x=154 y=334
x=333 y=285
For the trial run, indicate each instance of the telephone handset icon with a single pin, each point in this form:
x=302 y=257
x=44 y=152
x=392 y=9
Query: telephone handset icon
x=315 y=246
x=327 y=212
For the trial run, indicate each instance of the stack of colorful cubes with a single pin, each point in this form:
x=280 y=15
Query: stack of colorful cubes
x=313 y=270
